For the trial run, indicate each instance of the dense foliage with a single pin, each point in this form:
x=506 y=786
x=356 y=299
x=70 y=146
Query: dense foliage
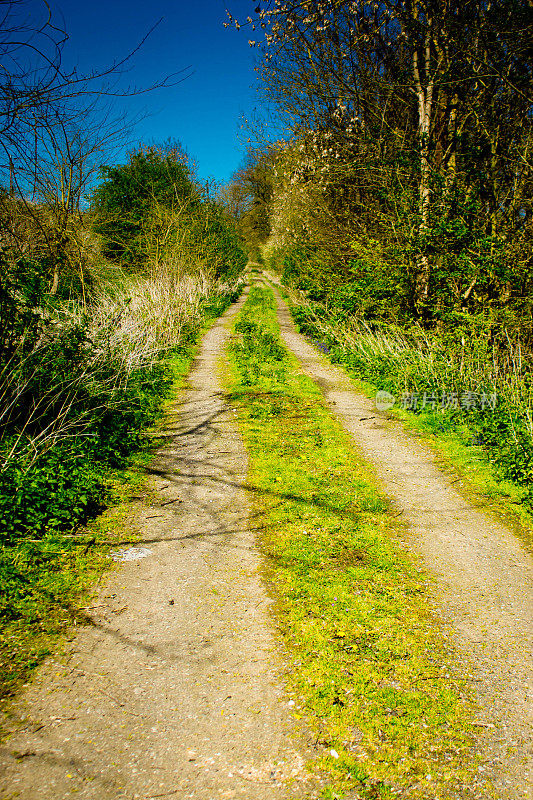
x=126 y=195
x=150 y=206
x=405 y=190
x=78 y=385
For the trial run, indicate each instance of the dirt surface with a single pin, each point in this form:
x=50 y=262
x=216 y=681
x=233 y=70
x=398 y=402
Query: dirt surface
x=171 y=688
x=484 y=575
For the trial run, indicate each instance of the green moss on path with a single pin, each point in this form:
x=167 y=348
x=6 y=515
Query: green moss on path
x=369 y=669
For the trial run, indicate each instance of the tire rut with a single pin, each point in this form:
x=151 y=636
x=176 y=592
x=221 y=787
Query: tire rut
x=171 y=688
x=484 y=575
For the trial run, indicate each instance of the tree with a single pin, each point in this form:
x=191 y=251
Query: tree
x=123 y=202
x=54 y=129
x=251 y=190
x=154 y=214
x=433 y=98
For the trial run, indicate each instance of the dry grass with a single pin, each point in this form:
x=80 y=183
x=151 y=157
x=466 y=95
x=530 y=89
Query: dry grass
x=125 y=327
x=419 y=361
x=145 y=317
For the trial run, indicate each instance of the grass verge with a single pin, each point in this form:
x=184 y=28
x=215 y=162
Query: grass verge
x=368 y=668
x=456 y=455
x=47 y=581
x=487 y=448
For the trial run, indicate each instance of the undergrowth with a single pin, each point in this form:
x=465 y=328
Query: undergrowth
x=368 y=669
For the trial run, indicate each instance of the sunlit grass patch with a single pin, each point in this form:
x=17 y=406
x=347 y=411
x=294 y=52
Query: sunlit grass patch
x=369 y=669
x=458 y=456
x=45 y=583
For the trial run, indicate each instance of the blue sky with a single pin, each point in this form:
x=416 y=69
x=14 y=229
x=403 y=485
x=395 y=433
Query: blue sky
x=203 y=112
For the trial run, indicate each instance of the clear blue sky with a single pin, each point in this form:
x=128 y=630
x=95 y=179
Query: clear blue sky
x=204 y=111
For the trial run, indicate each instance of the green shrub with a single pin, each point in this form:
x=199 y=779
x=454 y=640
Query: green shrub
x=22 y=288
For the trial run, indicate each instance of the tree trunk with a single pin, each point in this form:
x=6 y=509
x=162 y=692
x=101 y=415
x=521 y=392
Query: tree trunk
x=425 y=102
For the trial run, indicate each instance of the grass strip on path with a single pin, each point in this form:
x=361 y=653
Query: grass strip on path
x=369 y=670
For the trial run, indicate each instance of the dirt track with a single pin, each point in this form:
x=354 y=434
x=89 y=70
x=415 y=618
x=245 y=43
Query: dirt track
x=171 y=690
x=484 y=575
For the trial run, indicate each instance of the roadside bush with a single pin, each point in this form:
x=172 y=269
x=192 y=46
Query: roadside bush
x=22 y=286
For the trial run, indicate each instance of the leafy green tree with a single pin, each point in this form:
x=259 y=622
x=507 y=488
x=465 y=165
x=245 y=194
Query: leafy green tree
x=154 y=215
x=123 y=201
x=251 y=190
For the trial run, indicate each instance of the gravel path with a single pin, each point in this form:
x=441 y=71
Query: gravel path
x=170 y=690
x=484 y=575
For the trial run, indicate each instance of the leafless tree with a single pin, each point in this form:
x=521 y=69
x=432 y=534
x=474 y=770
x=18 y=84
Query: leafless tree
x=56 y=126
x=447 y=84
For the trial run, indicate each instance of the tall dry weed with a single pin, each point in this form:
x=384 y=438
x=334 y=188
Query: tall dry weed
x=124 y=328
